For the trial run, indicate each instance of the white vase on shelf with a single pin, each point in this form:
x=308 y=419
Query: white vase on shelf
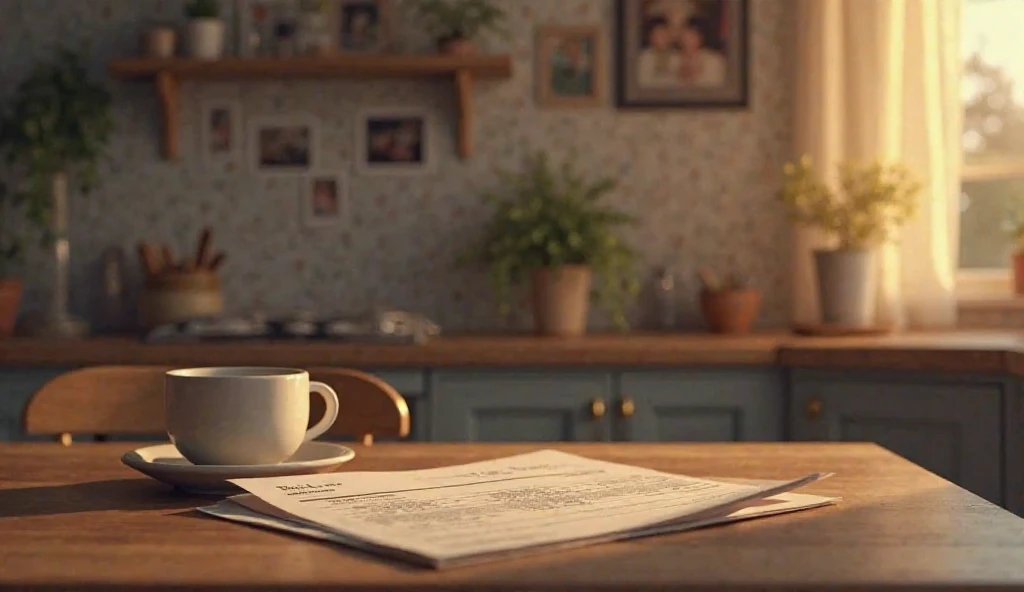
x=205 y=38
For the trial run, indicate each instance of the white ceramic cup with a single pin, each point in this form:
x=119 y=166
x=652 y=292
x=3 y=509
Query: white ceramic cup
x=242 y=416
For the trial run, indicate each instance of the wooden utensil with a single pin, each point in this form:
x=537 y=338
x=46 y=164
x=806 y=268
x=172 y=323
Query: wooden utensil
x=216 y=262
x=203 y=250
x=168 y=257
x=150 y=259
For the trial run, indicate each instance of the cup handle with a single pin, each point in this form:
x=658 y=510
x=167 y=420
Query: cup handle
x=330 y=410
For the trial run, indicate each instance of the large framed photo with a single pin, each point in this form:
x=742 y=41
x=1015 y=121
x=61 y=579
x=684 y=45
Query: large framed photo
x=283 y=144
x=394 y=141
x=570 y=67
x=682 y=53
x=324 y=200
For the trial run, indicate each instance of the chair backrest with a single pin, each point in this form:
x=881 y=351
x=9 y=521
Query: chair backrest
x=129 y=400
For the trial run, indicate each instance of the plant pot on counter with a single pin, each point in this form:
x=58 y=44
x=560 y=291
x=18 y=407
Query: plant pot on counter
x=205 y=38
x=730 y=312
x=10 y=302
x=1018 y=274
x=847 y=286
x=561 y=300
x=458 y=46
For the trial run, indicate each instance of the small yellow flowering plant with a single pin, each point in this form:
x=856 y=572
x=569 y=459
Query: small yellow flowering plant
x=871 y=203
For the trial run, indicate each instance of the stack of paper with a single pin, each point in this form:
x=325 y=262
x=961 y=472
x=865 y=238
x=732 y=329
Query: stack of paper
x=481 y=511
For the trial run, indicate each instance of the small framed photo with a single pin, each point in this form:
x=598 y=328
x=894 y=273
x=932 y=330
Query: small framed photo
x=570 y=66
x=394 y=141
x=364 y=26
x=324 y=200
x=258 y=25
x=220 y=131
x=682 y=54
x=283 y=144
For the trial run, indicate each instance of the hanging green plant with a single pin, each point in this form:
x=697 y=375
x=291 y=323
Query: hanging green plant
x=58 y=122
x=548 y=217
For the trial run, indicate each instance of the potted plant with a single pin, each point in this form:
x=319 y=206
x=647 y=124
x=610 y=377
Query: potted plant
x=454 y=24
x=205 y=31
x=52 y=133
x=1015 y=229
x=871 y=203
x=550 y=229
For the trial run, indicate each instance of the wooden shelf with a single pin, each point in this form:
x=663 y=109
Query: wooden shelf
x=167 y=75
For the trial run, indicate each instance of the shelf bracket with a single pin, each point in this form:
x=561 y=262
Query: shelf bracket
x=167 y=90
x=464 y=96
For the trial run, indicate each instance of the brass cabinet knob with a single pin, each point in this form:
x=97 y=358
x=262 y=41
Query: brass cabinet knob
x=814 y=408
x=627 y=407
x=598 y=408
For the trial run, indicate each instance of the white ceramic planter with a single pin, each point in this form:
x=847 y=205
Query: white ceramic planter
x=847 y=286
x=205 y=38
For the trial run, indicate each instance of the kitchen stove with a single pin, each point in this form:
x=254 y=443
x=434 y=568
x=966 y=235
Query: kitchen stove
x=389 y=326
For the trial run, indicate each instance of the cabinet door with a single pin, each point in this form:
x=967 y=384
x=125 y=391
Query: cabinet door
x=701 y=406
x=519 y=406
x=411 y=384
x=951 y=428
x=17 y=385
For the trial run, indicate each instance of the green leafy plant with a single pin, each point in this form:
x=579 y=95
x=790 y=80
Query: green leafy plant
x=57 y=122
x=199 y=9
x=449 y=20
x=872 y=200
x=547 y=217
x=1014 y=227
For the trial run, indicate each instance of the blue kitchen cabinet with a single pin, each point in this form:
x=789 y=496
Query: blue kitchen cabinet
x=17 y=385
x=1013 y=462
x=520 y=406
x=412 y=385
x=951 y=426
x=700 y=405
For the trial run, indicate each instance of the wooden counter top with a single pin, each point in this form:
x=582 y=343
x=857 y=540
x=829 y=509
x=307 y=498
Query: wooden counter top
x=958 y=351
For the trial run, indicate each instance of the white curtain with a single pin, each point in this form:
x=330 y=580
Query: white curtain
x=881 y=79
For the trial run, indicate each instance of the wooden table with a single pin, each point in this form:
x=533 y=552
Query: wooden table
x=76 y=517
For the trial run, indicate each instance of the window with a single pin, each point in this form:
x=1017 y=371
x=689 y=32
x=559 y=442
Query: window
x=992 y=192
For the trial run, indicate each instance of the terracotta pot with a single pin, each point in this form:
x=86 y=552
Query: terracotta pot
x=730 y=311
x=457 y=46
x=561 y=300
x=10 y=301
x=1018 y=274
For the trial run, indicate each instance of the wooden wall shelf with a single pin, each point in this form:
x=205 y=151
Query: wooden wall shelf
x=167 y=74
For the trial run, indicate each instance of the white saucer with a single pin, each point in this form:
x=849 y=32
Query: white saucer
x=165 y=464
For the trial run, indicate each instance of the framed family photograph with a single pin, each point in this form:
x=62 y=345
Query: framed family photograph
x=394 y=141
x=364 y=26
x=682 y=53
x=324 y=200
x=220 y=131
x=283 y=144
x=570 y=66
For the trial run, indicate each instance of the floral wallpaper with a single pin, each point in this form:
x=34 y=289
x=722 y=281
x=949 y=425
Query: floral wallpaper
x=700 y=181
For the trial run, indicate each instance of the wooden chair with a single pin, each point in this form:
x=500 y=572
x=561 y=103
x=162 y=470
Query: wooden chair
x=129 y=400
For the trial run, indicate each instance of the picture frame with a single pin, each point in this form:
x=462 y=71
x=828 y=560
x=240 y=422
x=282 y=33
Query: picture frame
x=571 y=66
x=283 y=144
x=324 y=200
x=395 y=141
x=221 y=137
x=682 y=54
x=376 y=20
x=255 y=22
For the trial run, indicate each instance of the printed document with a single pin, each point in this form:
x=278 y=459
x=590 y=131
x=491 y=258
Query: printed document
x=486 y=510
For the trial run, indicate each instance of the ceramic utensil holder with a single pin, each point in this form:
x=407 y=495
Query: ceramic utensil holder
x=173 y=297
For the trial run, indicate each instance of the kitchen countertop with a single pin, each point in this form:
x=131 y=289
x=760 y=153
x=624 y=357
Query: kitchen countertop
x=952 y=351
